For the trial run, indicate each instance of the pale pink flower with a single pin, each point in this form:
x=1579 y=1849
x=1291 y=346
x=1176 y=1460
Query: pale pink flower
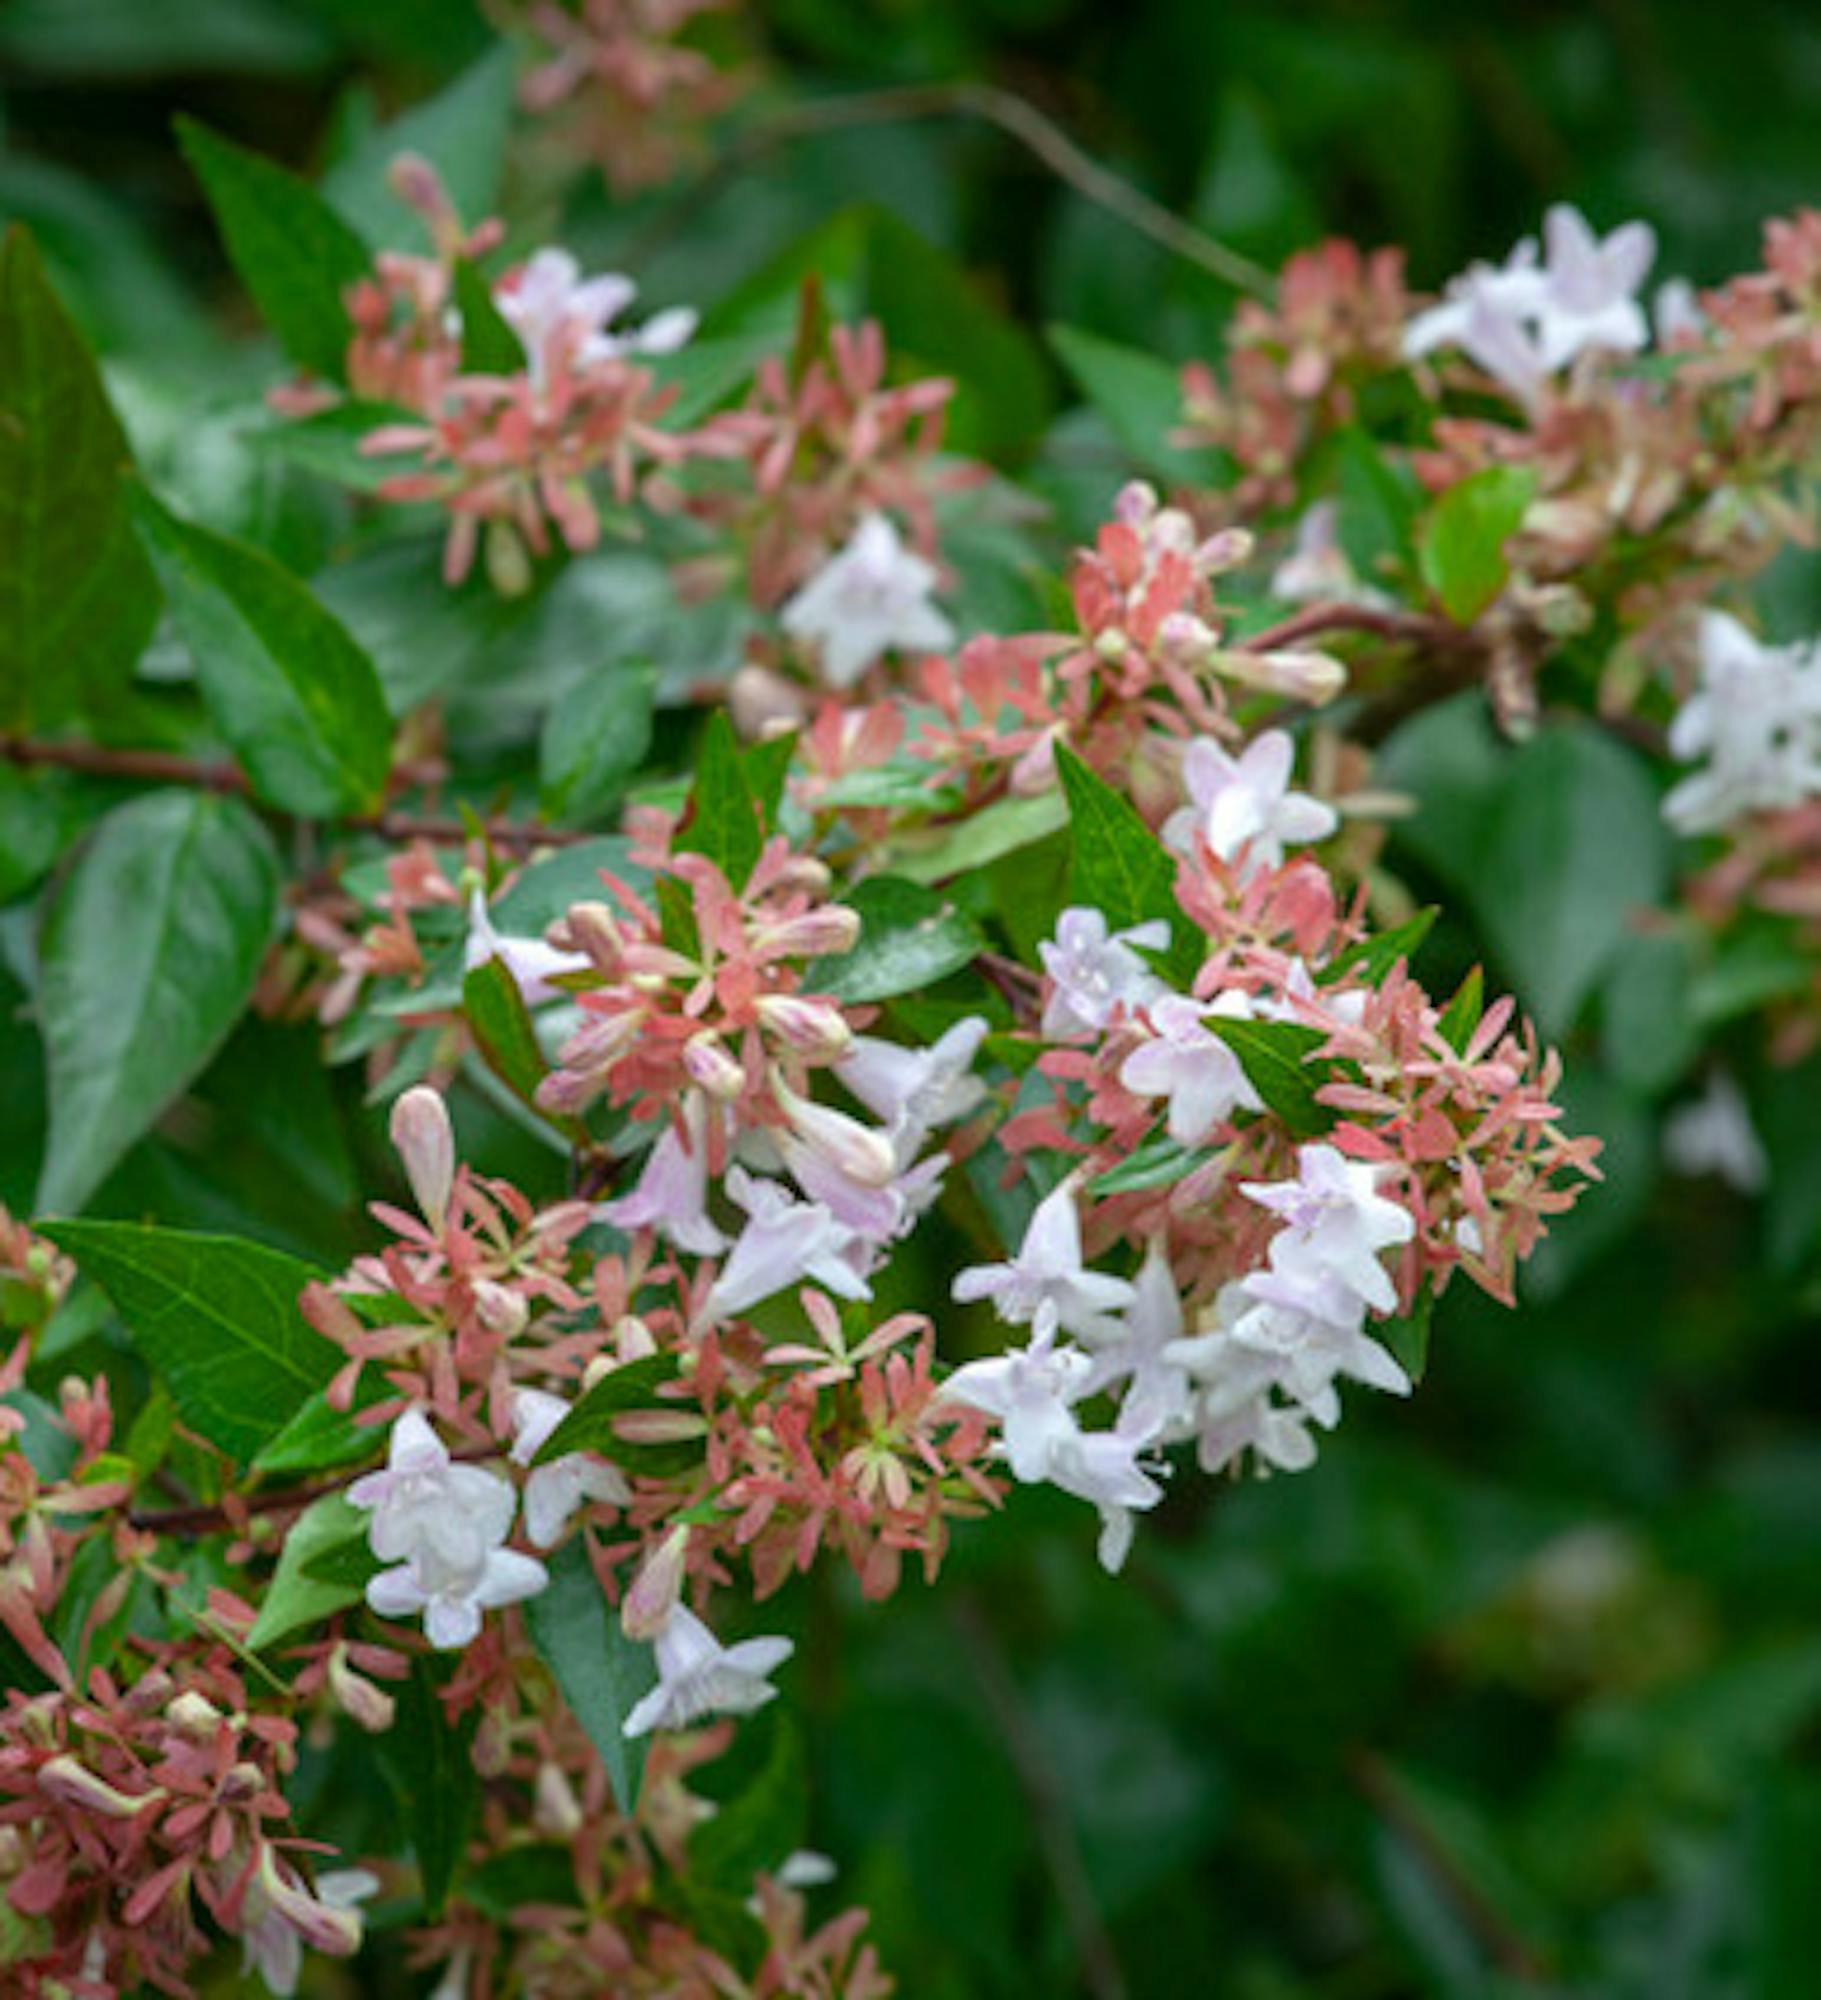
x=698 y=1676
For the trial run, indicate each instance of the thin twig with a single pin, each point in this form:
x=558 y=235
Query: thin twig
x=1379 y=1785
x=1012 y=115
x=164 y=767
x=1402 y=627
x=1100 y=1968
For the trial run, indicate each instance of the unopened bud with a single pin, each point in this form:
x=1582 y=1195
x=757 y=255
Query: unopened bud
x=556 y=1812
x=1135 y=503
x=193 y=1715
x=426 y=1143
x=364 y=1701
x=593 y=928
x=815 y=1028
x=1186 y=639
x=633 y=1338
x=759 y=700
x=1312 y=677
x=706 y=1059
x=335 y=1931
x=74 y=1784
x=646 y=1608
x=814 y=934
x=499 y=1309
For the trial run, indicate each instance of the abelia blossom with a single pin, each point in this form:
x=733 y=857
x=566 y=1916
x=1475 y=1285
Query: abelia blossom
x=1757 y=719
x=1189 y=1064
x=282 y=1916
x=1046 y=1285
x=916 y=1091
x=532 y=962
x=552 y=307
x=698 y=1676
x=1714 y=1135
x=785 y=1242
x=1337 y=1221
x=1093 y=970
x=872 y=598
x=554 y=1491
x=444 y=1524
x=1243 y=806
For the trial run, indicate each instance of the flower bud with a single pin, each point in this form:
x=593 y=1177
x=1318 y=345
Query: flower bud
x=193 y=1715
x=759 y=699
x=1303 y=676
x=633 y=1339
x=556 y=1812
x=646 y=1607
x=814 y=1028
x=593 y=928
x=814 y=934
x=337 y=1932
x=706 y=1059
x=1186 y=640
x=1135 y=503
x=500 y=1309
x=364 y=1701
x=72 y=1783
x=426 y=1143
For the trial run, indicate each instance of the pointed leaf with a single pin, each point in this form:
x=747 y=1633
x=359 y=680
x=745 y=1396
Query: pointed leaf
x=594 y=739
x=294 y=254
x=77 y=599
x=724 y=820
x=150 y=953
x=216 y=1319
x=1274 y=1056
x=601 y=1673
x=910 y=937
x=429 y=1764
x=296 y=698
x=294 y=1598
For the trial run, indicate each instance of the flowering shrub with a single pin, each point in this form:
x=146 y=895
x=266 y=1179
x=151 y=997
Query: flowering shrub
x=852 y=1001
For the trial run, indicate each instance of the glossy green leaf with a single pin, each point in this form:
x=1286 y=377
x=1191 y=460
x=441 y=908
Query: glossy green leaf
x=489 y=345
x=1004 y=827
x=429 y=1764
x=294 y=254
x=218 y=1320
x=502 y=1028
x=1119 y=866
x=295 y=697
x=592 y=1422
x=293 y=1598
x=77 y=600
x=910 y=937
x=725 y=820
x=150 y=953
x=1461 y=1016
x=601 y=1673
x=1460 y=546
x=593 y=740
x=1275 y=1057
x=1158 y=1162
x=1138 y=393
x=1372 y=958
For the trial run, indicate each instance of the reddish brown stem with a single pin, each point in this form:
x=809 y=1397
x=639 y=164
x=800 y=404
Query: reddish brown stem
x=164 y=767
x=1402 y=627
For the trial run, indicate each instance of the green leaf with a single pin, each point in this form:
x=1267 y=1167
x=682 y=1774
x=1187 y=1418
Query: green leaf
x=1377 y=499
x=150 y=954
x=328 y=443
x=1005 y=827
x=590 y=1424
x=593 y=740
x=503 y=1030
x=724 y=820
x=1407 y=1335
x=910 y=937
x=77 y=600
x=430 y=1766
x=294 y=254
x=764 y=1822
x=601 y=1673
x=489 y=345
x=1460 y=546
x=1372 y=958
x=295 y=697
x=320 y=1437
x=1159 y=1162
x=1462 y=1014
x=1275 y=1057
x=295 y=1599
x=1119 y=866
x=216 y=1318
x=461 y=132
x=1140 y=396
x=1576 y=846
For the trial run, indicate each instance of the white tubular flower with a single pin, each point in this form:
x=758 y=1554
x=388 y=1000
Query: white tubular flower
x=1337 y=1221
x=871 y=599
x=547 y=301
x=1093 y=970
x=1032 y=1391
x=784 y=1243
x=916 y=1090
x=1591 y=286
x=698 y=1676
x=1191 y=1066
x=553 y=1492
x=1244 y=805
x=1757 y=719
x=280 y=1916
x=672 y=1192
x=532 y=963
x=1046 y=1285
x=444 y=1525
x=1714 y=1135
